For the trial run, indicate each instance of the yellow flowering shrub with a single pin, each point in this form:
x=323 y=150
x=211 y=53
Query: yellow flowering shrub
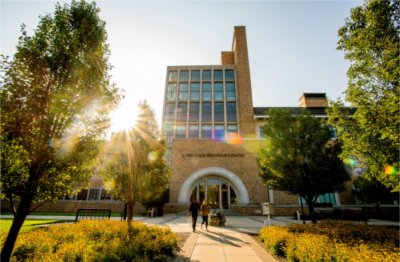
x=334 y=242
x=274 y=239
x=96 y=241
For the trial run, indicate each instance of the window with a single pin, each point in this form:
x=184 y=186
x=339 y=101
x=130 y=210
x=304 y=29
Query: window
x=332 y=132
x=230 y=92
x=229 y=75
x=206 y=112
x=206 y=92
x=169 y=133
x=262 y=132
x=105 y=195
x=194 y=111
x=183 y=91
x=171 y=92
x=194 y=131
x=218 y=92
x=195 y=91
x=94 y=194
x=173 y=76
x=180 y=131
x=170 y=112
x=219 y=112
x=327 y=198
x=184 y=75
x=82 y=195
x=217 y=75
x=195 y=76
x=219 y=132
x=206 y=131
x=206 y=75
x=182 y=112
x=231 y=112
x=232 y=128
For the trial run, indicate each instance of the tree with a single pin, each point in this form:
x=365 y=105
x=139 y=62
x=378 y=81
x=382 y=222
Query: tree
x=370 y=41
x=370 y=191
x=55 y=98
x=135 y=166
x=300 y=158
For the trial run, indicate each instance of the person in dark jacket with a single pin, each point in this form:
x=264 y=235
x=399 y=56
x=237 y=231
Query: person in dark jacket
x=194 y=210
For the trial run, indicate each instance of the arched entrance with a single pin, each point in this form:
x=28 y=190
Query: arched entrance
x=220 y=186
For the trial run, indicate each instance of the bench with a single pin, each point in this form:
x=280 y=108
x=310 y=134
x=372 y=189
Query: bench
x=92 y=214
x=150 y=212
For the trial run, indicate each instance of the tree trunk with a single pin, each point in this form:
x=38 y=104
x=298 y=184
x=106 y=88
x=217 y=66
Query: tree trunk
x=311 y=212
x=130 y=211
x=19 y=218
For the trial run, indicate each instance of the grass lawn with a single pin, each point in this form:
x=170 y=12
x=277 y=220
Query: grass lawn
x=113 y=214
x=5 y=224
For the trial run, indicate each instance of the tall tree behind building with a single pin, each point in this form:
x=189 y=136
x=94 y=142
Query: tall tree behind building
x=370 y=41
x=55 y=98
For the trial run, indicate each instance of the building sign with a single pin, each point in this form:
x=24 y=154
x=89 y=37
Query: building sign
x=213 y=155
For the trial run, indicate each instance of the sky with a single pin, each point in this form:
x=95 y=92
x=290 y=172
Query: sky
x=291 y=44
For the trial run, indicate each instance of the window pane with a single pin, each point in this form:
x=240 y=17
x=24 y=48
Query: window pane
x=230 y=87
x=207 y=75
x=94 y=194
x=206 y=131
x=232 y=128
x=173 y=76
x=229 y=75
x=183 y=96
x=171 y=92
x=180 y=131
x=219 y=112
x=194 y=110
x=207 y=96
x=262 y=132
x=231 y=112
x=219 y=96
x=195 y=75
x=170 y=112
x=195 y=87
x=105 y=195
x=195 y=96
x=184 y=75
x=206 y=112
x=219 y=132
x=206 y=87
x=217 y=75
x=218 y=87
x=230 y=91
x=193 y=131
x=169 y=131
x=183 y=87
x=82 y=195
x=182 y=108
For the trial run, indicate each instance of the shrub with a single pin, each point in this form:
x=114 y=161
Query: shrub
x=332 y=242
x=96 y=241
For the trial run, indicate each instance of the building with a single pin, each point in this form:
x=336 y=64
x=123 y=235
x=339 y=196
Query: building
x=213 y=134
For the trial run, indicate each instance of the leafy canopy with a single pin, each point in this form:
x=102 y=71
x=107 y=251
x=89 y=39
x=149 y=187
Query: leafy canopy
x=300 y=157
x=371 y=43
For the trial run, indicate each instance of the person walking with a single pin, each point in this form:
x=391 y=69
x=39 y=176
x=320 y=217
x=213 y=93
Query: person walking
x=194 y=210
x=205 y=210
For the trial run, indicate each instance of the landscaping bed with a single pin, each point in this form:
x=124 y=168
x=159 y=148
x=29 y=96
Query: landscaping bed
x=96 y=241
x=332 y=241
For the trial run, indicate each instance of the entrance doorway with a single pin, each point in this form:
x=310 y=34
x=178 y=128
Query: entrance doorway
x=219 y=192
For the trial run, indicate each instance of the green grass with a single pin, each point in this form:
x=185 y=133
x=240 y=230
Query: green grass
x=5 y=224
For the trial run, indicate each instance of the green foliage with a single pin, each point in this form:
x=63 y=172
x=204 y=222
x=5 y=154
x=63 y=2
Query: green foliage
x=55 y=96
x=300 y=157
x=371 y=191
x=371 y=43
x=329 y=241
x=134 y=166
x=97 y=241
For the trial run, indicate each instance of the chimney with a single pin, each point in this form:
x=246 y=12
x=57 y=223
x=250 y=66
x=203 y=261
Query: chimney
x=313 y=100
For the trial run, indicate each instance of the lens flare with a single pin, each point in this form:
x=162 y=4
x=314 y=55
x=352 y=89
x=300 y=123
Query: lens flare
x=233 y=139
x=350 y=162
x=391 y=170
